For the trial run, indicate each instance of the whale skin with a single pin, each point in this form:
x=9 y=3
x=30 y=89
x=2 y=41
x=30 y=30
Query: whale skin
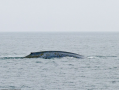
x=52 y=54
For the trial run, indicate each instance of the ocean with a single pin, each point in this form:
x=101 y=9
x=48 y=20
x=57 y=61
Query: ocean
x=98 y=70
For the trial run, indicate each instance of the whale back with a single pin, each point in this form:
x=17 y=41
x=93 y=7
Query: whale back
x=52 y=54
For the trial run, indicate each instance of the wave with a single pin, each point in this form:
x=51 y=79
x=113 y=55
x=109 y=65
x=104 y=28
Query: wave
x=105 y=56
x=89 y=57
x=99 y=56
x=11 y=58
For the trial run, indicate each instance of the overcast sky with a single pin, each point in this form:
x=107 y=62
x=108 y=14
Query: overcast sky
x=59 y=15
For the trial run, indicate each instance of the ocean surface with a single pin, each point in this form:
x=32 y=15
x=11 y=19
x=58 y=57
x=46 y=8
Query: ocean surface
x=98 y=70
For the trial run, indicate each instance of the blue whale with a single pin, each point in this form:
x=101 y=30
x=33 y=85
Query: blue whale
x=52 y=54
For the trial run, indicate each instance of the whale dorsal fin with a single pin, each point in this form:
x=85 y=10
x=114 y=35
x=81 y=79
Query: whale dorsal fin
x=31 y=52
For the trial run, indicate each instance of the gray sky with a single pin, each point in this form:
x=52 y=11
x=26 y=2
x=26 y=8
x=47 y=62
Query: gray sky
x=59 y=15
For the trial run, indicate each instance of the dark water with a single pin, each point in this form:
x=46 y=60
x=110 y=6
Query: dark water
x=99 y=70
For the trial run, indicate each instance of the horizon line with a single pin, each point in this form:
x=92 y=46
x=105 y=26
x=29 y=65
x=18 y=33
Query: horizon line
x=54 y=31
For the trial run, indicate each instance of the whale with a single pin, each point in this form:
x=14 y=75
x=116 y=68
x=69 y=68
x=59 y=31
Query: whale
x=52 y=54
